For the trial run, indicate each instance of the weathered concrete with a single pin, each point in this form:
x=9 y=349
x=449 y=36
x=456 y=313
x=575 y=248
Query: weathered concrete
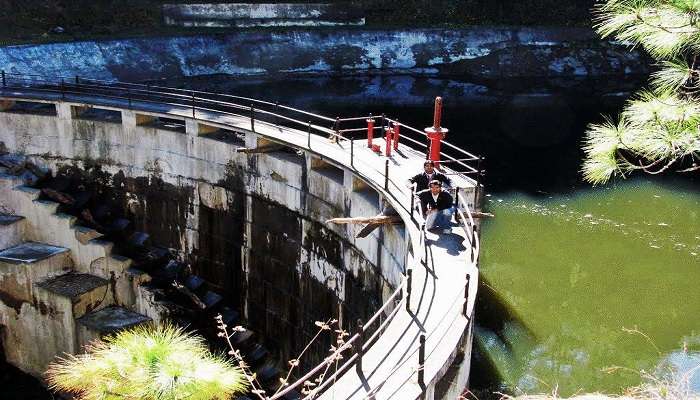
x=30 y=318
x=223 y=15
x=293 y=269
x=11 y=230
x=106 y=321
x=495 y=53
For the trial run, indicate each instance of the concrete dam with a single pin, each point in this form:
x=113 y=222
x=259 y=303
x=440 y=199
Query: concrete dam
x=125 y=203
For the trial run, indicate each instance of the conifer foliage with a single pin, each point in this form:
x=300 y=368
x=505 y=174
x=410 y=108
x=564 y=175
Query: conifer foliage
x=659 y=128
x=148 y=363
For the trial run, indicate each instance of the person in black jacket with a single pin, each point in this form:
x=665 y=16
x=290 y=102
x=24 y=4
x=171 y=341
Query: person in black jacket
x=437 y=205
x=421 y=180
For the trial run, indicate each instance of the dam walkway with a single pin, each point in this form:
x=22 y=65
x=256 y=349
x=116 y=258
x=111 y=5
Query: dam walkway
x=418 y=344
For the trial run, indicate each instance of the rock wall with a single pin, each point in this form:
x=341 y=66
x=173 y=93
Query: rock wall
x=477 y=52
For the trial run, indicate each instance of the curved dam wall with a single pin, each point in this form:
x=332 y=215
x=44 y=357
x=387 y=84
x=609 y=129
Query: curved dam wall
x=498 y=52
x=251 y=224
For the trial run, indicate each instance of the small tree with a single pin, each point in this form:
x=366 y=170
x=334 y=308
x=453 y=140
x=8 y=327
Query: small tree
x=659 y=128
x=147 y=362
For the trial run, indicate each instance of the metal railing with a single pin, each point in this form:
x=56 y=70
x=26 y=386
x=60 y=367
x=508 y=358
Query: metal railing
x=201 y=105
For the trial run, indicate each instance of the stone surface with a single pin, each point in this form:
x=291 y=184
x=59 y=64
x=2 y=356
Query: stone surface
x=11 y=230
x=73 y=285
x=84 y=234
x=29 y=253
x=112 y=319
x=8 y=219
x=488 y=52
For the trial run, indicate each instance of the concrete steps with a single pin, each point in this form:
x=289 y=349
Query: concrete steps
x=75 y=294
x=11 y=230
x=23 y=265
x=106 y=321
x=35 y=330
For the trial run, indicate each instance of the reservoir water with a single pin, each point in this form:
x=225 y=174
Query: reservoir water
x=583 y=289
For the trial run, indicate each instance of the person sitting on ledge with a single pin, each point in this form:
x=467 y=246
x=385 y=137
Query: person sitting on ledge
x=437 y=205
x=421 y=180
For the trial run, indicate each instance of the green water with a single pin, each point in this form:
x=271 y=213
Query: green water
x=573 y=273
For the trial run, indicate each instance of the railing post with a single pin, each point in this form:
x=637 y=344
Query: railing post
x=473 y=242
x=360 y=344
x=386 y=175
x=421 y=363
x=252 y=118
x=413 y=199
x=336 y=130
x=387 y=139
x=277 y=120
x=4 y=81
x=409 y=283
x=425 y=246
x=370 y=131
x=456 y=199
x=352 y=153
x=466 y=296
x=308 y=136
x=194 y=115
x=396 y=134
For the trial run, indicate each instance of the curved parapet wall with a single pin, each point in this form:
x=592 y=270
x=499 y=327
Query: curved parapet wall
x=418 y=342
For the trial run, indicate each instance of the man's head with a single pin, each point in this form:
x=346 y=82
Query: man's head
x=435 y=186
x=428 y=167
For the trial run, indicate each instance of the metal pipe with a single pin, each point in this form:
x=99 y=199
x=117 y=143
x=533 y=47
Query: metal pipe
x=308 y=136
x=352 y=153
x=396 y=135
x=252 y=118
x=421 y=363
x=409 y=283
x=194 y=115
x=437 y=113
x=360 y=343
x=387 y=141
x=386 y=175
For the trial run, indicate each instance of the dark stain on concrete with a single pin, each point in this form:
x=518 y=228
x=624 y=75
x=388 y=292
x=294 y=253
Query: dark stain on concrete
x=46 y=309
x=11 y=301
x=325 y=243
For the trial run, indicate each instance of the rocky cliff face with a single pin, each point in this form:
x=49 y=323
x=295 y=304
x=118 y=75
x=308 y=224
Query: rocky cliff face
x=478 y=52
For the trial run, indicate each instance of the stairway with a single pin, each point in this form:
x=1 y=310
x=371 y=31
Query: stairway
x=53 y=275
x=99 y=275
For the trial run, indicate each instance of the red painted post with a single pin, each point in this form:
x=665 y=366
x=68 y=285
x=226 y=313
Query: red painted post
x=396 y=135
x=389 y=135
x=370 y=131
x=436 y=133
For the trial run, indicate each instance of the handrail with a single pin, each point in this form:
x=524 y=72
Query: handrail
x=135 y=93
x=342 y=348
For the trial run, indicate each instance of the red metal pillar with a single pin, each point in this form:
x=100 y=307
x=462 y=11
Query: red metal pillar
x=396 y=135
x=436 y=133
x=387 y=138
x=370 y=131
